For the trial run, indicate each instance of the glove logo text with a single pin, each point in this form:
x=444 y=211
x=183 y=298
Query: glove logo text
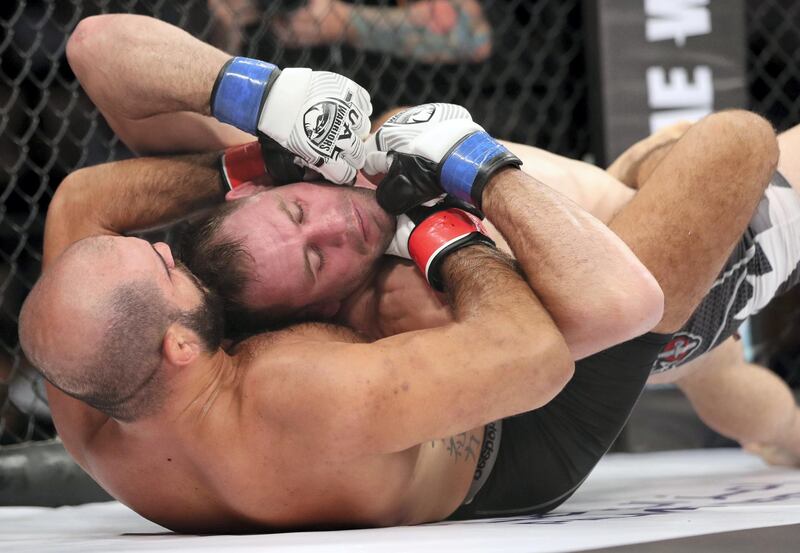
x=327 y=122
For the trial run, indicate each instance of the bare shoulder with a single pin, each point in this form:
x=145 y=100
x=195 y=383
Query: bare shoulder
x=297 y=334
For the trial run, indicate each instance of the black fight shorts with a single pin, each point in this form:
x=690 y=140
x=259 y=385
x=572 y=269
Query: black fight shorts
x=546 y=454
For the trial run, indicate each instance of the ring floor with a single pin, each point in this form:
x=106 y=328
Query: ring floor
x=699 y=500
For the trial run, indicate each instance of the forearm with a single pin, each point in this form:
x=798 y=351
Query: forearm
x=430 y=31
x=596 y=290
x=131 y=195
x=163 y=69
x=484 y=366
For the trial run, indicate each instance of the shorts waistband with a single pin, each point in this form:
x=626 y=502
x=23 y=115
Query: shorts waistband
x=487 y=458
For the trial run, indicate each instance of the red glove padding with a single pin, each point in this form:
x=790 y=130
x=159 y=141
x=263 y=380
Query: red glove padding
x=241 y=164
x=427 y=235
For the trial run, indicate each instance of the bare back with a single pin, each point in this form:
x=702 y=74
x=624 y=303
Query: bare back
x=237 y=468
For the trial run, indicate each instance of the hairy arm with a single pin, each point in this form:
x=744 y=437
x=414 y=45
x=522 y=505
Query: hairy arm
x=598 y=293
x=128 y=196
x=152 y=82
x=352 y=399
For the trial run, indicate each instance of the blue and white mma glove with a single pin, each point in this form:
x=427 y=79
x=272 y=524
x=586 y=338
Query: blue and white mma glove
x=320 y=117
x=433 y=149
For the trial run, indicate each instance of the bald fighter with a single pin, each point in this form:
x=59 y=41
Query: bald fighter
x=306 y=427
x=621 y=373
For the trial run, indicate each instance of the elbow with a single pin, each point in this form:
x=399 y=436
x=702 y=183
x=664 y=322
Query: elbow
x=67 y=195
x=624 y=310
x=635 y=308
x=552 y=366
x=85 y=43
x=481 y=48
x=642 y=304
x=68 y=202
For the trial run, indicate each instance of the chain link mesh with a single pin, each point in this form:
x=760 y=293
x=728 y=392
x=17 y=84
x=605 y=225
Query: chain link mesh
x=517 y=65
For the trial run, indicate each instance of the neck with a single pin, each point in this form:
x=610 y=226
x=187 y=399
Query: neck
x=195 y=388
x=359 y=310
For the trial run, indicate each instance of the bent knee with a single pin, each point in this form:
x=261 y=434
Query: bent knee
x=751 y=139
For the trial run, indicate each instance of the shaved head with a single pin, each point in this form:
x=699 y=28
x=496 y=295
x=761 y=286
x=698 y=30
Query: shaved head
x=95 y=322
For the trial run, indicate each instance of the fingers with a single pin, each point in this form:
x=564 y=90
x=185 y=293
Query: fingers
x=377 y=163
x=355 y=154
x=362 y=102
x=338 y=171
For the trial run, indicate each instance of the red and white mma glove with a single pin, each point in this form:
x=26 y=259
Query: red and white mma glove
x=427 y=235
x=248 y=162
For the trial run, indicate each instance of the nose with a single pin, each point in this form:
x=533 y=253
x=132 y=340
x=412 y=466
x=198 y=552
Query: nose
x=165 y=252
x=331 y=231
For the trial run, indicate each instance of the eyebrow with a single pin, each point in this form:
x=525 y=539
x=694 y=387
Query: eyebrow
x=163 y=261
x=284 y=209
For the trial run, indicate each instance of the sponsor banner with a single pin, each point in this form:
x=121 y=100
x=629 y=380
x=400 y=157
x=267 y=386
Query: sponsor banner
x=656 y=62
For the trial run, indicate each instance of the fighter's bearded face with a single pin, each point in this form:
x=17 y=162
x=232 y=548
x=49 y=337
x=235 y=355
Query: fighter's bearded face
x=312 y=245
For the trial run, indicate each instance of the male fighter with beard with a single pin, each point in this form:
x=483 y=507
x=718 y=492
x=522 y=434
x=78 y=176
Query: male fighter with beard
x=389 y=432
x=528 y=213
x=739 y=400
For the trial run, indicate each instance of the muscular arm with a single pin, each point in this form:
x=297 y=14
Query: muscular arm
x=156 y=95
x=128 y=196
x=351 y=399
x=501 y=356
x=593 y=189
x=598 y=293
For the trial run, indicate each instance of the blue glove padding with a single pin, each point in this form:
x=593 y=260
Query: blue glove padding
x=240 y=90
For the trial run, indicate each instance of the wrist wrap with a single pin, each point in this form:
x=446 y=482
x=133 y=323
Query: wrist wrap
x=441 y=234
x=467 y=167
x=240 y=91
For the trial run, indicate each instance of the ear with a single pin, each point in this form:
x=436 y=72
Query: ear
x=245 y=190
x=181 y=346
x=366 y=181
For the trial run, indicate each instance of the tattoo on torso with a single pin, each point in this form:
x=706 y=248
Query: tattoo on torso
x=464 y=447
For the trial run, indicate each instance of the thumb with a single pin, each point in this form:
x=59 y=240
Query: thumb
x=377 y=163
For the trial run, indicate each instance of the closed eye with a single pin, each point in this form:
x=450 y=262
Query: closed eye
x=300 y=214
x=316 y=259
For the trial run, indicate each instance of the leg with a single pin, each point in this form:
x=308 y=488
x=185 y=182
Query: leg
x=743 y=401
x=546 y=454
x=694 y=207
x=789 y=164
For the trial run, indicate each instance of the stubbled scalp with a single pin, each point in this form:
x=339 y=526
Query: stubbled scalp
x=119 y=374
x=96 y=335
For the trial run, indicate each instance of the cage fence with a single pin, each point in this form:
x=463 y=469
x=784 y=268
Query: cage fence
x=517 y=65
